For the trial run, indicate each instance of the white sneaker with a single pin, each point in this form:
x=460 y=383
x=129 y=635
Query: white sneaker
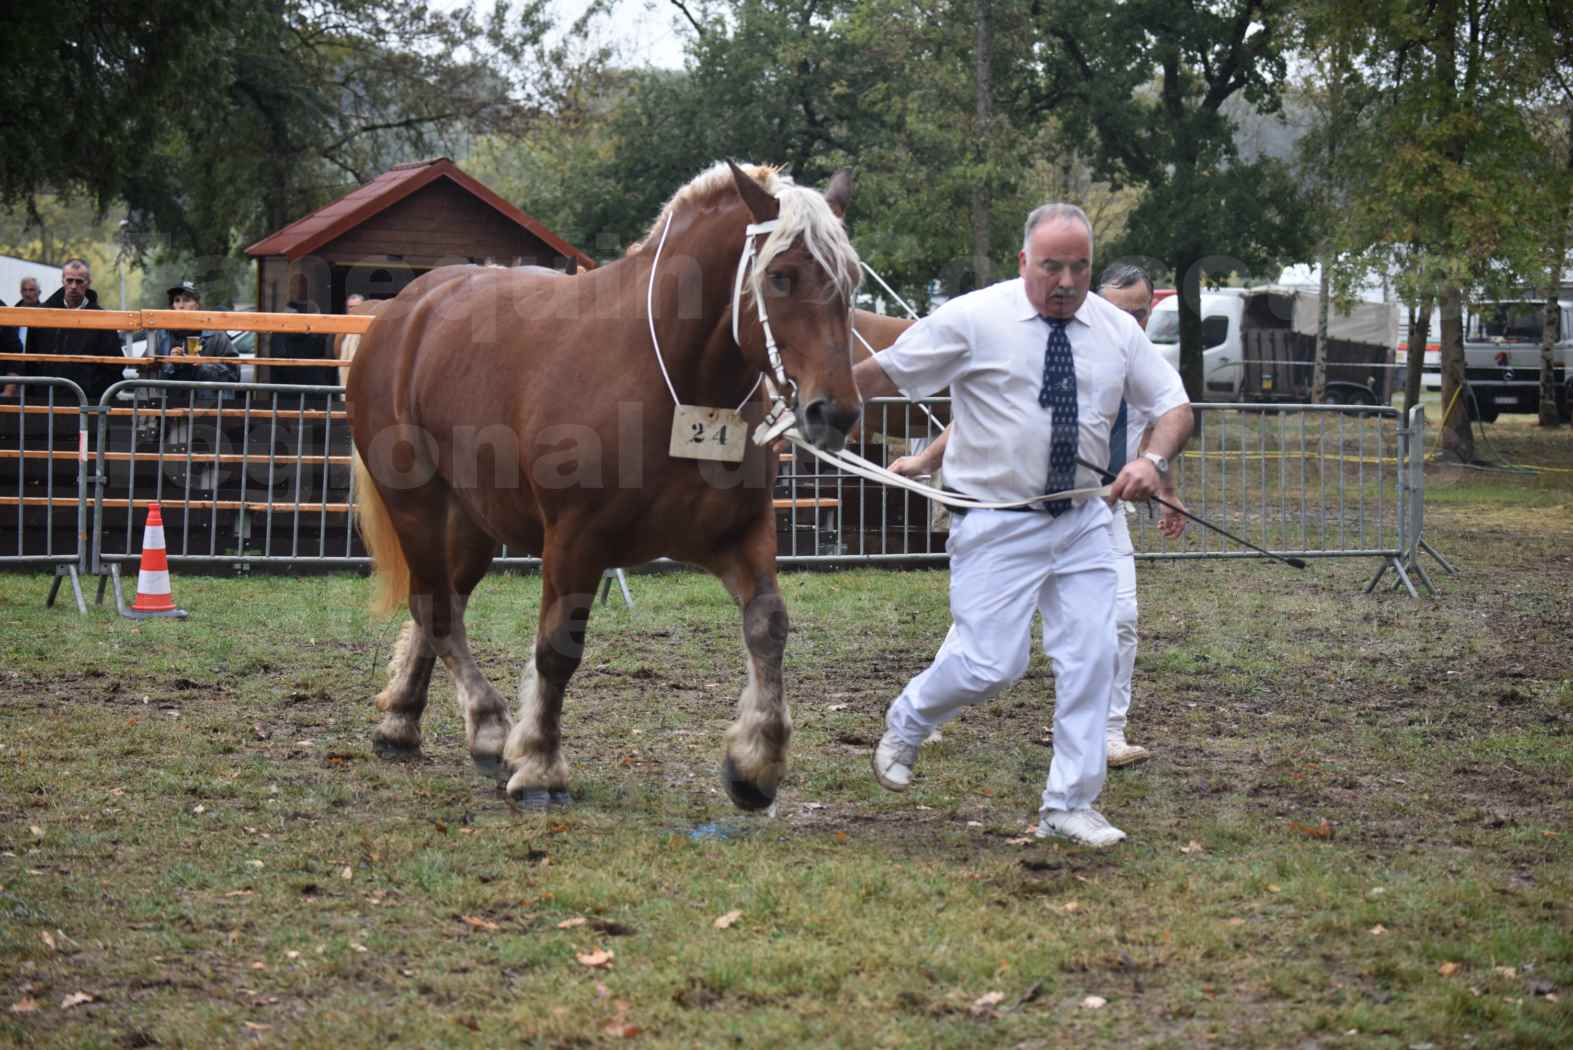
x=893 y=762
x=1123 y=754
x=1086 y=826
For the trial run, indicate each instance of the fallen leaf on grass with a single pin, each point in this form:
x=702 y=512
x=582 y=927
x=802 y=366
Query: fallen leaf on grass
x=838 y=707
x=568 y=924
x=1236 y=921
x=239 y=893
x=724 y=921
x=252 y=1026
x=1094 y=1002
x=347 y=873
x=1025 y=840
x=37 y=831
x=1505 y=971
x=25 y=1005
x=199 y=809
x=1071 y=906
x=984 y=1005
x=621 y=1030
x=1323 y=829
x=77 y=999
x=48 y=938
x=1191 y=847
x=468 y=1022
x=1448 y=969
x=1377 y=930
x=598 y=958
x=478 y=923
x=1273 y=887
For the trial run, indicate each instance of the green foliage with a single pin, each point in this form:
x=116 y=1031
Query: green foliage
x=1143 y=85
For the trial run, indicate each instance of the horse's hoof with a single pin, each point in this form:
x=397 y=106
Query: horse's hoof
x=394 y=750
x=539 y=800
x=744 y=793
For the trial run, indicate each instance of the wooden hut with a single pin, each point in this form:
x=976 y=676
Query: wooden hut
x=380 y=237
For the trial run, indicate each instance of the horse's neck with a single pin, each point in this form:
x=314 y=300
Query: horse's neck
x=692 y=310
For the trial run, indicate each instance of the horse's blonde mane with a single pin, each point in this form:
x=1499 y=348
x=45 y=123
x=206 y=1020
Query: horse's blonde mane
x=804 y=213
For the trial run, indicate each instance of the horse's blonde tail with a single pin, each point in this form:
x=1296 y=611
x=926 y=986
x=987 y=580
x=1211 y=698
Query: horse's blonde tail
x=390 y=569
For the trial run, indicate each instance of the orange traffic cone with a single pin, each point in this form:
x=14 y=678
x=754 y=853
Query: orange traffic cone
x=153 y=594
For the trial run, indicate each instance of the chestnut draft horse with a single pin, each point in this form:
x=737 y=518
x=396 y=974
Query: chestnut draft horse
x=493 y=406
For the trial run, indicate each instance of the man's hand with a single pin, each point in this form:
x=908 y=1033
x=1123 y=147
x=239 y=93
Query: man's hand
x=1171 y=523
x=911 y=467
x=1138 y=481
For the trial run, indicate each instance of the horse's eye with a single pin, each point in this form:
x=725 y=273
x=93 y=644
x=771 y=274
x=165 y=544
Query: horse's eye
x=780 y=283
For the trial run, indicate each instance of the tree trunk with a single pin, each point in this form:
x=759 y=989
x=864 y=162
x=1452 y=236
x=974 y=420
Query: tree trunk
x=1188 y=271
x=982 y=204
x=1457 y=436
x=1419 y=335
x=1549 y=329
x=1319 y=360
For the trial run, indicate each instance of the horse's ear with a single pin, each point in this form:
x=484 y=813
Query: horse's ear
x=839 y=195
x=763 y=206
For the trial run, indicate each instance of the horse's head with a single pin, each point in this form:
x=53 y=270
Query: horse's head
x=804 y=275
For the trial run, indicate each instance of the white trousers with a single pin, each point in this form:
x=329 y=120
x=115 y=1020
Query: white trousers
x=1124 y=620
x=1004 y=566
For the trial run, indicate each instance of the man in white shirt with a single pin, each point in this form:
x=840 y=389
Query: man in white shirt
x=1037 y=369
x=1127 y=286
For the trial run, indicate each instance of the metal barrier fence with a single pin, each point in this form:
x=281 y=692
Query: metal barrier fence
x=43 y=435
x=1312 y=481
x=260 y=474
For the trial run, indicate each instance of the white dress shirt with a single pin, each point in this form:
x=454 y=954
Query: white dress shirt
x=988 y=347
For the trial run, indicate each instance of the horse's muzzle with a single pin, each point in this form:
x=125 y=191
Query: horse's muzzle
x=826 y=424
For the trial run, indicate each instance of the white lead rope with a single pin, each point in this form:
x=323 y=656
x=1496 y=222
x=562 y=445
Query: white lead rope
x=855 y=464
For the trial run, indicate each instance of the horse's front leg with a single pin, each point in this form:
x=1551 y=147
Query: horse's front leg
x=534 y=748
x=756 y=743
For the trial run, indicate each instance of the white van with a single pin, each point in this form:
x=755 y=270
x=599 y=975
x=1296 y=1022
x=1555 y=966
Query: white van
x=1258 y=345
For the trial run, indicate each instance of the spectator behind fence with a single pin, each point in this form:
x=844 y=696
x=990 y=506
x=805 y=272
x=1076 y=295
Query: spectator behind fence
x=29 y=291
x=305 y=345
x=76 y=294
x=10 y=343
x=174 y=344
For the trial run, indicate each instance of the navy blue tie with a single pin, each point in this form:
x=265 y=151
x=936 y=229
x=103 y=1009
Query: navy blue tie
x=1059 y=396
x=1119 y=441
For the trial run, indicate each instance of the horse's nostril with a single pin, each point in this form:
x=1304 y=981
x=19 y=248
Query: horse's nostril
x=844 y=419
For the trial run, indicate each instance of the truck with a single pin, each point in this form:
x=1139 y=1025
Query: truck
x=1259 y=345
x=1502 y=357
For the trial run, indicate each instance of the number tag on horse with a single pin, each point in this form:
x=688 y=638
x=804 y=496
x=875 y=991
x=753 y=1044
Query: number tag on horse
x=708 y=433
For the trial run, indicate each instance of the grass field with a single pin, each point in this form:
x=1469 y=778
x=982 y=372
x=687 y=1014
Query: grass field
x=1357 y=830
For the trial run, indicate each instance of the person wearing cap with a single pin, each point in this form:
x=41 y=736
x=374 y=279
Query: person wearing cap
x=176 y=344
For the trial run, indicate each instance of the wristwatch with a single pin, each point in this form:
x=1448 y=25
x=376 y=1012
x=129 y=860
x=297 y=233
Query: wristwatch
x=1159 y=462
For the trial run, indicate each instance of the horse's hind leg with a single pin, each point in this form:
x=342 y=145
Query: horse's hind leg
x=756 y=743
x=485 y=709
x=403 y=700
x=445 y=565
x=534 y=752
